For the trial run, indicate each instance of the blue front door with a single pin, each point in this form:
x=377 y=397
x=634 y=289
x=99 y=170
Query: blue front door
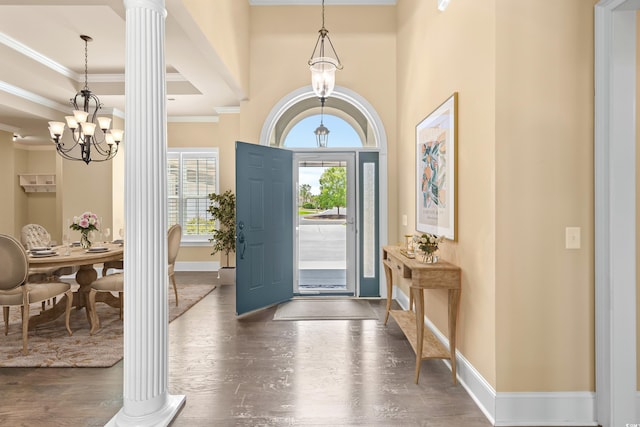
x=264 y=232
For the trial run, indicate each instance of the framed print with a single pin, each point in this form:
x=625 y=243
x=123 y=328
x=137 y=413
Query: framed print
x=436 y=140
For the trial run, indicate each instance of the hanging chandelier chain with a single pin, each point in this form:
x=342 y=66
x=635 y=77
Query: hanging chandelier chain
x=323 y=14
x=86 y=64
x=86 y=39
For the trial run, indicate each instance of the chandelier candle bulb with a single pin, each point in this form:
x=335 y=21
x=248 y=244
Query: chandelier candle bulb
x=104 y=123
x=88 y=128
x=80 y=116
x=71 y=122
x=117 y=135
x=56 y=128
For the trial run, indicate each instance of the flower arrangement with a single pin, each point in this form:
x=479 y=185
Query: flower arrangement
x=85 y=223
x=428 y=243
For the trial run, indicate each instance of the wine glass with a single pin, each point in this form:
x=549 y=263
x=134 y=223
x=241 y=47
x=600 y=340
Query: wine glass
x=65 y=244
x=106 y=233
x=121 y=233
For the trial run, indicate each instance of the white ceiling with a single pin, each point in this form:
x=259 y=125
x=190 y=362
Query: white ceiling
x=42 y=59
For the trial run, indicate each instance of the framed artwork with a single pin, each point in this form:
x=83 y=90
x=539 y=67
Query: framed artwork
x=436 y=140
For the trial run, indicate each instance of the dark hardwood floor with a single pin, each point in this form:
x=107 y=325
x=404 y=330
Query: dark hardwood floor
x=258 y=372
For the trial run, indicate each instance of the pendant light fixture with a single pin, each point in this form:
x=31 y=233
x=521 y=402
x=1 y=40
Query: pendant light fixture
x=323 y=63
x=322 y=133
x=83 y=126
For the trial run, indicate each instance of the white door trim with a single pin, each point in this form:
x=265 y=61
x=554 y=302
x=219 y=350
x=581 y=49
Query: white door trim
x=615 y=213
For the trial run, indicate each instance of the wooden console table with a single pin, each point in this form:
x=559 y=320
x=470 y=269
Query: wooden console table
x=440 y=275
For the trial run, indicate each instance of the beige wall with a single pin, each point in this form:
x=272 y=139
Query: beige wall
x=524 y=73
x=544 y=183
x=41 y=207
x=225 y=23
x=438 y=54
x=85 y=188
x=15 y=206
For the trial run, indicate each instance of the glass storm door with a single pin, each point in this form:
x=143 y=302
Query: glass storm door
x=325 y=226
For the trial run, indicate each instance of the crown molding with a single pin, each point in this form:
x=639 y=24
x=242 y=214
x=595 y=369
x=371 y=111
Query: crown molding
x=227 y=110
x=38 y=57
x=32 y=97
x=193 y=119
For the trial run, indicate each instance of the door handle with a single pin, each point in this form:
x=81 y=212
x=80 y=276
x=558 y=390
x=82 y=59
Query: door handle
x=241 y=239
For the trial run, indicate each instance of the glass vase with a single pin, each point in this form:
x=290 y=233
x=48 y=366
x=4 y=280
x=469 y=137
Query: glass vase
x=429 y=257
x=84 y=239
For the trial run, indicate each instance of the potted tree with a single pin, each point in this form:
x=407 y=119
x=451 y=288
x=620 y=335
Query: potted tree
x=222 y=208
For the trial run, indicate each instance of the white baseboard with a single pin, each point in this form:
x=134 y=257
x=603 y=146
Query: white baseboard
x=198 y=266
x=546 y=409
x=517 y=409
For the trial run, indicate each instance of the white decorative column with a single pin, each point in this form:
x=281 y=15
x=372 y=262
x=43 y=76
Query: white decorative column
x=146 y=401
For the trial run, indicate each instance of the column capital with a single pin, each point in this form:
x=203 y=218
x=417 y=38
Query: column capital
x=157 y=5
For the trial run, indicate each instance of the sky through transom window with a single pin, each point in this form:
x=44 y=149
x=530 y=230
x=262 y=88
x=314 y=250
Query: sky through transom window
x=341 y=134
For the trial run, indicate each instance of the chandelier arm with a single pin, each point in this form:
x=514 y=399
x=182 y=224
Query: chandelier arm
x=103 y=151
x=63 y=152
x=61 y=147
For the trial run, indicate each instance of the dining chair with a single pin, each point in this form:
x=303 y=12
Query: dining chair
x=115 y=282
x=109 y=283
x=36 y=236
x=173 y=246
x=16 y=290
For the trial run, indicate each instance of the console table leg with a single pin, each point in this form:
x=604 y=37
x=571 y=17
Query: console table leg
x=418 y=298
x=389 y=277
x=454 y=300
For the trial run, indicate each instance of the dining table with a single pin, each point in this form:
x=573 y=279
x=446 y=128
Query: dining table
x=85 y=260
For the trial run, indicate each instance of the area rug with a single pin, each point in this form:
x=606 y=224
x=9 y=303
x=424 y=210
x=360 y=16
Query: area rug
x=51 y=346
x=325 y=309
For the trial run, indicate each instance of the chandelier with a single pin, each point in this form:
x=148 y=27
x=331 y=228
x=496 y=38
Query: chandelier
x=322 y=133
x=97 y=148
x=324 y=63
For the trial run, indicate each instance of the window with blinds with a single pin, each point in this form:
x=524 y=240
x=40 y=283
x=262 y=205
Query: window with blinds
x=192 y=176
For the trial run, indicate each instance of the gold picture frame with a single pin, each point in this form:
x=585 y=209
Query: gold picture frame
x=436 y=164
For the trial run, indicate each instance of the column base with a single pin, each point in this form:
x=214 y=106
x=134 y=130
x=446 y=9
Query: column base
x=162 y=418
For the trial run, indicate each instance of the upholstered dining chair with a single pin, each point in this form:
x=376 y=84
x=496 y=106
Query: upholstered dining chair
x=36 y=236
x=173 y=246
x=113 y=283
x=15 y=290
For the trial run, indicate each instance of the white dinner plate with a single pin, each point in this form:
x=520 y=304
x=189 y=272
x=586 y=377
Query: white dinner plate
x=43 y=254
x=97 y=249
x=42 y=251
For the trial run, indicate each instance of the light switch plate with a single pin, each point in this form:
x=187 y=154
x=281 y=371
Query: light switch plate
x=404 y=220
x=572 y=238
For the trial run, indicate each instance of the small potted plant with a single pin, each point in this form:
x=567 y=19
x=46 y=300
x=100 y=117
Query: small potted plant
x=223 y=210
x=428 y=244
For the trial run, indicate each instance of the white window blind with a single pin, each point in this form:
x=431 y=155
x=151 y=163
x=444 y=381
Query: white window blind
x=192 y=176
